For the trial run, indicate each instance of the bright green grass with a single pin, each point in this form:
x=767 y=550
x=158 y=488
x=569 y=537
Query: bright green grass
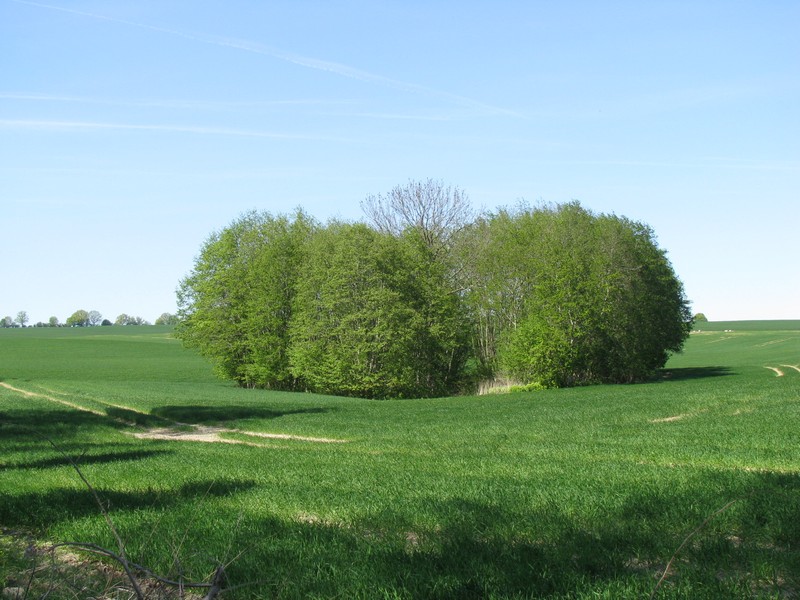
x=581 y=493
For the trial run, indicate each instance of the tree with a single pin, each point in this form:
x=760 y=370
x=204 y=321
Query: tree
x=593 y=299
x=167 y=319
x=373 y=317
x=125 y=319
x=700 y=318
x=22 y=318
x=80 y=318
x=106 y=323
x=95 y=318
x=7 y=322
x=436 y=211
x=496 y=278
x=236 y=304
x=53 y=322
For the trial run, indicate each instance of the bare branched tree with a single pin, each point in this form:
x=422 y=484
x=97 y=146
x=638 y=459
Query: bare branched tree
x=435 y=210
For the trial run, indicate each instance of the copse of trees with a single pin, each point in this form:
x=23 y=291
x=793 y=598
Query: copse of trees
x=427 y=298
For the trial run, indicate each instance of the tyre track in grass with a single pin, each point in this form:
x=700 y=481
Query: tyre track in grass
x=779 y=372
x=175 y=431
x=29 y=394
x=214 y=434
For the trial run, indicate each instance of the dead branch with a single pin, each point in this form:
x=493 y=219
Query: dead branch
x=214 y=588
x=686 y=541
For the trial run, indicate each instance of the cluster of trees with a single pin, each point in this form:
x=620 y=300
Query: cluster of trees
x=428 y=298
x=83 y=318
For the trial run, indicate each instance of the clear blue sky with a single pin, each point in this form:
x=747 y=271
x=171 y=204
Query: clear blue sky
x=129 y=131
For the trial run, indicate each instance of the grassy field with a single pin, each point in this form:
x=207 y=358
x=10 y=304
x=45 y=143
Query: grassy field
x=579 y=493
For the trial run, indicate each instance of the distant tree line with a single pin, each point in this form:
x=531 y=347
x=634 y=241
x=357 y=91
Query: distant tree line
x=428 y=298
x=83 y=318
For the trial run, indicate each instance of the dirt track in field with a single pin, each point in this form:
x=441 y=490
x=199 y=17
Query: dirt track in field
x=181 y=432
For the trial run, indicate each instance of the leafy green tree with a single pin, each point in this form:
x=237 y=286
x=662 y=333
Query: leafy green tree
x=600 y=302
x=125 y=319
x=495 y=274
x=651 y=316
x=700 y=318
x=346 y=311
x=53 y=322
x=80 y=318
x=236 y=304
x=372 y=317
x=167 y=319
x=6 y=322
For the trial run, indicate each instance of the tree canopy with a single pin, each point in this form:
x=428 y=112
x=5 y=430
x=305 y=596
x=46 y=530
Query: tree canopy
x=80 y=318
x=571 y=297
x=427 y=299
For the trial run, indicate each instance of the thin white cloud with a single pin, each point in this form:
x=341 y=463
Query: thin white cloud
x=40 y=125
x=176 y=103
x=700 y=163
x=335 y=68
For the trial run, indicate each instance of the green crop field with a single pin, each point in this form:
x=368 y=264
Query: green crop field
x=578 y=493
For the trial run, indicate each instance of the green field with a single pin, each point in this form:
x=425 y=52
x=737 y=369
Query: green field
x=574 y=493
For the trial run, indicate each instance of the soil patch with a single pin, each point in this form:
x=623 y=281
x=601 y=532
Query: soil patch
x=214 y=435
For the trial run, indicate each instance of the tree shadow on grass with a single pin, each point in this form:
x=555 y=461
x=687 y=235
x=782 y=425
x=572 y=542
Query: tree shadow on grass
x=687 y=373
x=482 y=550
x=84 y=458
x=208 y=415
x=463 y=548
x=56 y=425
x=39 y=510
x=135 y=418
x=65 y=425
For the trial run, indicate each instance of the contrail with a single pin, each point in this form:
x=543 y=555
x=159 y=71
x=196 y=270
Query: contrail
x=180 y=104
x=223 y=131
x=296 y=59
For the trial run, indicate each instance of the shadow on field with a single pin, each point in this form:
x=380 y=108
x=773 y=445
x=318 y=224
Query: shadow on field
x=137 y=418
x=41 y=510
x=208 y=415
x=462 y=548
x=686 y=373
x=481 y=549
x=81 y=459
x=57 y=425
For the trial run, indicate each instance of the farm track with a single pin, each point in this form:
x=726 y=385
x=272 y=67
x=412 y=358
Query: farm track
x=779 y=370
x=174 y=431
x=214 y=434
x=67 y=403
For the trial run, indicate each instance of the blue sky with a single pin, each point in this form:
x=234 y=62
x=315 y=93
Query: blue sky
x=129 y=131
